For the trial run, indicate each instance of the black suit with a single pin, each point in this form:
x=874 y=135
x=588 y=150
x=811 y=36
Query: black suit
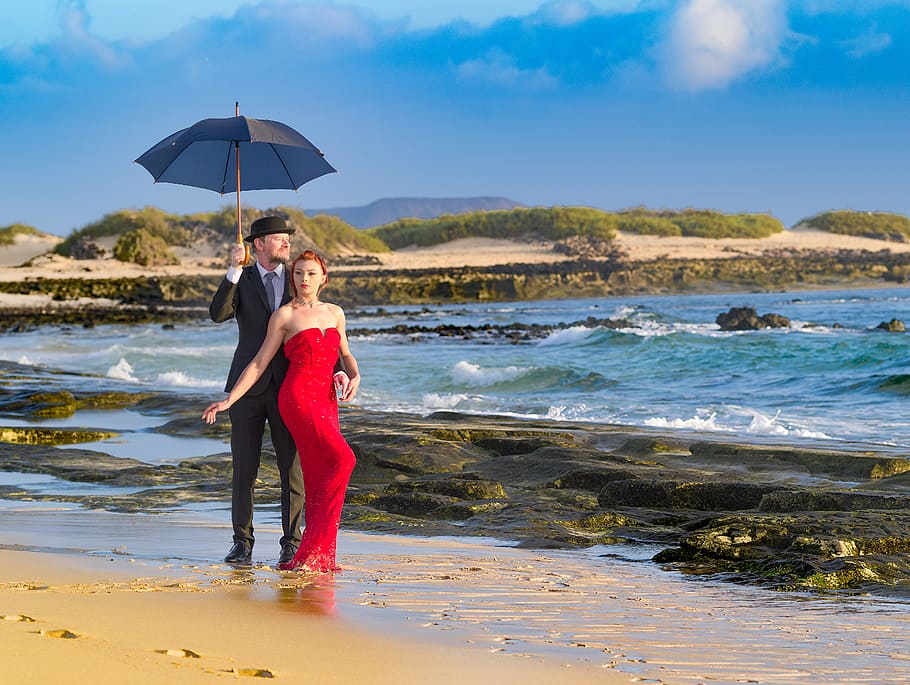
x=247 y=302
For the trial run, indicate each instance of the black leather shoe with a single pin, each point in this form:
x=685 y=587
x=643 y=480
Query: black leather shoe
x=241 y=553
x=288 y=550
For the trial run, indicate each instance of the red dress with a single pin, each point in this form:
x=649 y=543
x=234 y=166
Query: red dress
x=309 y=408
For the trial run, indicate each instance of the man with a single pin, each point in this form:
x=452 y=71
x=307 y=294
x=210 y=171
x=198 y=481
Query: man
x=250 y=295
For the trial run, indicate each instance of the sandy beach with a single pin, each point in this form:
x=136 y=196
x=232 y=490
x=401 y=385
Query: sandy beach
x=96 y=602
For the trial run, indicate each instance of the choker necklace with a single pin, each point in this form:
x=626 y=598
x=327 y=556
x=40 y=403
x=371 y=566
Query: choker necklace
x=300 y=302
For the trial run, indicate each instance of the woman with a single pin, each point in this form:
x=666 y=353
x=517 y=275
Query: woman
x=313 y=335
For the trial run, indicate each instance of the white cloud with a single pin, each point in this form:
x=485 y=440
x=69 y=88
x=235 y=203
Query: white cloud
x=316 y=20
x=498 y=68
x=867 y=43
x=564 y=12
x=712 y=43
x=77 y=38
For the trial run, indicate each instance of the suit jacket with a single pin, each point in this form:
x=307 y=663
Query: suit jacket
x=247 y=302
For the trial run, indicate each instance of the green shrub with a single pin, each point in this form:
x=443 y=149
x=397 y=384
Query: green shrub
x=152 y=220
x=700 y=223
x=8 y=233
x=555 y=223
x=645 y=223
x=141 y=247
x=864 y=224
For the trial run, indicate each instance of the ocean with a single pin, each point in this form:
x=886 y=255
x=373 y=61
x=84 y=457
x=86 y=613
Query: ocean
x=831 y=378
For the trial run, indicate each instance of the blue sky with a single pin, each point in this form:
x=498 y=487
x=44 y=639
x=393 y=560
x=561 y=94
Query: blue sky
x=738 y=105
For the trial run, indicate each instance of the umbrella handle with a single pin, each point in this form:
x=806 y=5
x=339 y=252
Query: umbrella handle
x=246 y=247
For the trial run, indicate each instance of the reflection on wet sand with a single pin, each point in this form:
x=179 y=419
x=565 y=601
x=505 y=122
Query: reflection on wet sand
x=312 y=596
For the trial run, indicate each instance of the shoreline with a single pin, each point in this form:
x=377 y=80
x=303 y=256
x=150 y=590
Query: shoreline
x=409 y=610
x=107 y=620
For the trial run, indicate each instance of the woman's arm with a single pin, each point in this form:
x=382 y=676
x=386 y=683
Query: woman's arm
x=274 y=337
x=350 y=364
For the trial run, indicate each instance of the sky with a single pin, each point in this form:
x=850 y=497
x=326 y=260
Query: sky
x=778 y=106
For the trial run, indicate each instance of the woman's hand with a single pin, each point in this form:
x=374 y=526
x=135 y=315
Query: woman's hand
x=346 y=387
x=212 y=410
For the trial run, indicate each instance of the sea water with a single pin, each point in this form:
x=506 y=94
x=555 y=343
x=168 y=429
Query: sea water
x=830 y=377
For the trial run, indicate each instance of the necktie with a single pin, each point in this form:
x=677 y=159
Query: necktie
x=270 y=290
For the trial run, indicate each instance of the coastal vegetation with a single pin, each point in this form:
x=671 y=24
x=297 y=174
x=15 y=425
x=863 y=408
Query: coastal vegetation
x=564 y=223
x=536 y=223
x=698 y=223
x=8 y=234
x=149 y=236
x=879 y=225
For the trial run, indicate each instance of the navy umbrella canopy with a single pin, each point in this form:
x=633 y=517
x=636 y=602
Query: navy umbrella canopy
x=208 y=155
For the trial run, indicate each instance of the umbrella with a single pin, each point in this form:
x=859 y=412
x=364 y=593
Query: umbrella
x=207 y=155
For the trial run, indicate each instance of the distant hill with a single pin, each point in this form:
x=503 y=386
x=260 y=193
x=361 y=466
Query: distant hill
x=387 y=210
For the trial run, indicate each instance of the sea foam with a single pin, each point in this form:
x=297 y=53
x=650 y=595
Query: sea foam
x=178 y=379
x=760 y=424
x=466 y=373
x=566 y=336
x=122 y=371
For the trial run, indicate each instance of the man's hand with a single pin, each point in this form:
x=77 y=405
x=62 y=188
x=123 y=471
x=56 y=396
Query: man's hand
x=238 y=256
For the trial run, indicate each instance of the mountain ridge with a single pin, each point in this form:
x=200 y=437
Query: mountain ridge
x=386 y=210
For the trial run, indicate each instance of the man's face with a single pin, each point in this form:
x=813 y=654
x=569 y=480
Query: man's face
x=276 y=248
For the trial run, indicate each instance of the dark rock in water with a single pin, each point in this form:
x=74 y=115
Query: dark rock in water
x=669 y=494
x=831 y=550
x=816 y=500
x=842 y=465
x=51 y=436
x=590 y=480
x=893 y=326
x=415 y=504
x=746 y=319
x=461 y=488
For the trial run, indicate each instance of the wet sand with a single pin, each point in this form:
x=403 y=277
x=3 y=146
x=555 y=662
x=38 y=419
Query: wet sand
x=139 y=596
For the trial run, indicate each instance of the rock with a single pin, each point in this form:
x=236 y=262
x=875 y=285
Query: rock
x=590 y=480
x=745 y=319
x=680 y=495
x=837 y=465
x=414 y=504
x=833 y=550
x=816 y=500
x=84 y=248
x=893 y=326
x=461 y=488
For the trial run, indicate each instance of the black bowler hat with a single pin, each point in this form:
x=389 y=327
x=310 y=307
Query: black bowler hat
x=266 y=226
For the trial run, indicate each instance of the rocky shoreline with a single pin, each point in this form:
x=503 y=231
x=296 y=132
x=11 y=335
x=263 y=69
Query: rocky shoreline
x=176 y=298
x=772 y=514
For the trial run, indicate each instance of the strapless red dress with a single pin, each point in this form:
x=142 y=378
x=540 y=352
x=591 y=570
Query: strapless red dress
x=309 y=408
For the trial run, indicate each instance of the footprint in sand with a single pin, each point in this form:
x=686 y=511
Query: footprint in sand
x=253 y=672
x=60 y=632
x=186 y=653
x=19 y=618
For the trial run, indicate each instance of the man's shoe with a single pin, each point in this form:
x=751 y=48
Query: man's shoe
x=241 y=553
x=288 y=550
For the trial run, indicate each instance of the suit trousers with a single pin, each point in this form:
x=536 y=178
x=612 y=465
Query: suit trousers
x=248 y=418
